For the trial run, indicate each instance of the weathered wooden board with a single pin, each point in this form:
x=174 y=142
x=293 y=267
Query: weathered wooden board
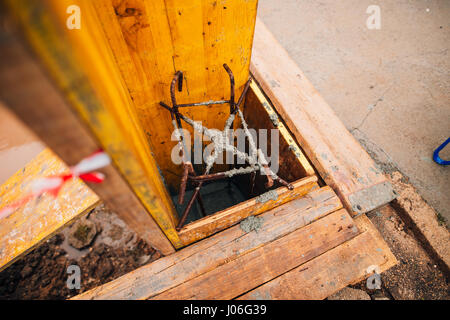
x=40 y=218
x=293 y=165
x=332 y=271
x=151 y=40
x=18 y=145
x=119 y=65
x=206 y=255
x=260 y=114
x=335 y=153
x=85 y=69
x=228 y=217
x=44 y=110
x=268 y=261
x=24 y=158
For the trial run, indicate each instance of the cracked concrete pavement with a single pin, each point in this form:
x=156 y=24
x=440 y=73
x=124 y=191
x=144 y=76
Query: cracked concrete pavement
x=390 y=86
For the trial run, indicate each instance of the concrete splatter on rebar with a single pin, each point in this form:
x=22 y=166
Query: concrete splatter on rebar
x=220 y=142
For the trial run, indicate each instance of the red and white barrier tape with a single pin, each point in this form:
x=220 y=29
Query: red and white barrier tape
x=85 y=170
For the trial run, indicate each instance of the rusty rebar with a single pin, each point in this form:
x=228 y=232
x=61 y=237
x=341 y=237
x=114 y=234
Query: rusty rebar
x=180 y=81
x=188 y=171
x=174 y=111
x=188 y=208
x=230 y=74
x=198 y=104
x=252 y=182
x=269 y=176
x=201 y=204
x=177 y=77
x=285 y=183
x=208 y=177
x=183 y=184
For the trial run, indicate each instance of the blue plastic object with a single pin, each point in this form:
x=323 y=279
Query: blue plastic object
x=436 y=157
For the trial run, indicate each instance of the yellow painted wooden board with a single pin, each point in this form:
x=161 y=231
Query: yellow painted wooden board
x=119 y=65
x=151 y=40
x=82 y=64
x=293 y=146
x=40 y=218
x=71 y=145
x=226 y=218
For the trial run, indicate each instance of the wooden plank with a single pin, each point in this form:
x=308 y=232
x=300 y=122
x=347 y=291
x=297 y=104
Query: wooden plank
x=85 y=69
x=294 y=156
x=293 y=164
x=55 y=124
x=203 y=256
x=23 y=158
x=151 y=40
x=332 y=271
x=40 y=218
x=268 y=261
x=335 y=153
x=119 y=65
x=230 y=216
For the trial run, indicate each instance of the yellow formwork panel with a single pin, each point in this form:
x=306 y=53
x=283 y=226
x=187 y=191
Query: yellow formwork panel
x=118 y=66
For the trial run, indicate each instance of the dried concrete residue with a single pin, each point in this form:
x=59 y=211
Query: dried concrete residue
x=274 y=118
x=251 y=223
x=239 y=171
x=110 y=231
x=371 y=198
x=82 y=233
x=269 y=195
x=295 y=150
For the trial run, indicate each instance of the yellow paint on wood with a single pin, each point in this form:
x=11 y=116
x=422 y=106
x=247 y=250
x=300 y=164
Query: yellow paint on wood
x=293 y=146
x=40 y=218
x=119 y=65
x=226 y=218
x=82 y=63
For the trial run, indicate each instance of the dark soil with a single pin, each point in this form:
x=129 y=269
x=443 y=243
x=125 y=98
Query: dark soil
x=42 y=274
x=416 y=276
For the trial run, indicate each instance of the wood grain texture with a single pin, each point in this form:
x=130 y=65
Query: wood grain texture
x=332 y=271
x=260 y=114
x=56 y=125
x=339 y=158
x=266 y=262
x=119 y=65
x=85 y=69
x=230 y=216
x=208 y=254
x=293 y=165
x=40 y=218
x=151 y=40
